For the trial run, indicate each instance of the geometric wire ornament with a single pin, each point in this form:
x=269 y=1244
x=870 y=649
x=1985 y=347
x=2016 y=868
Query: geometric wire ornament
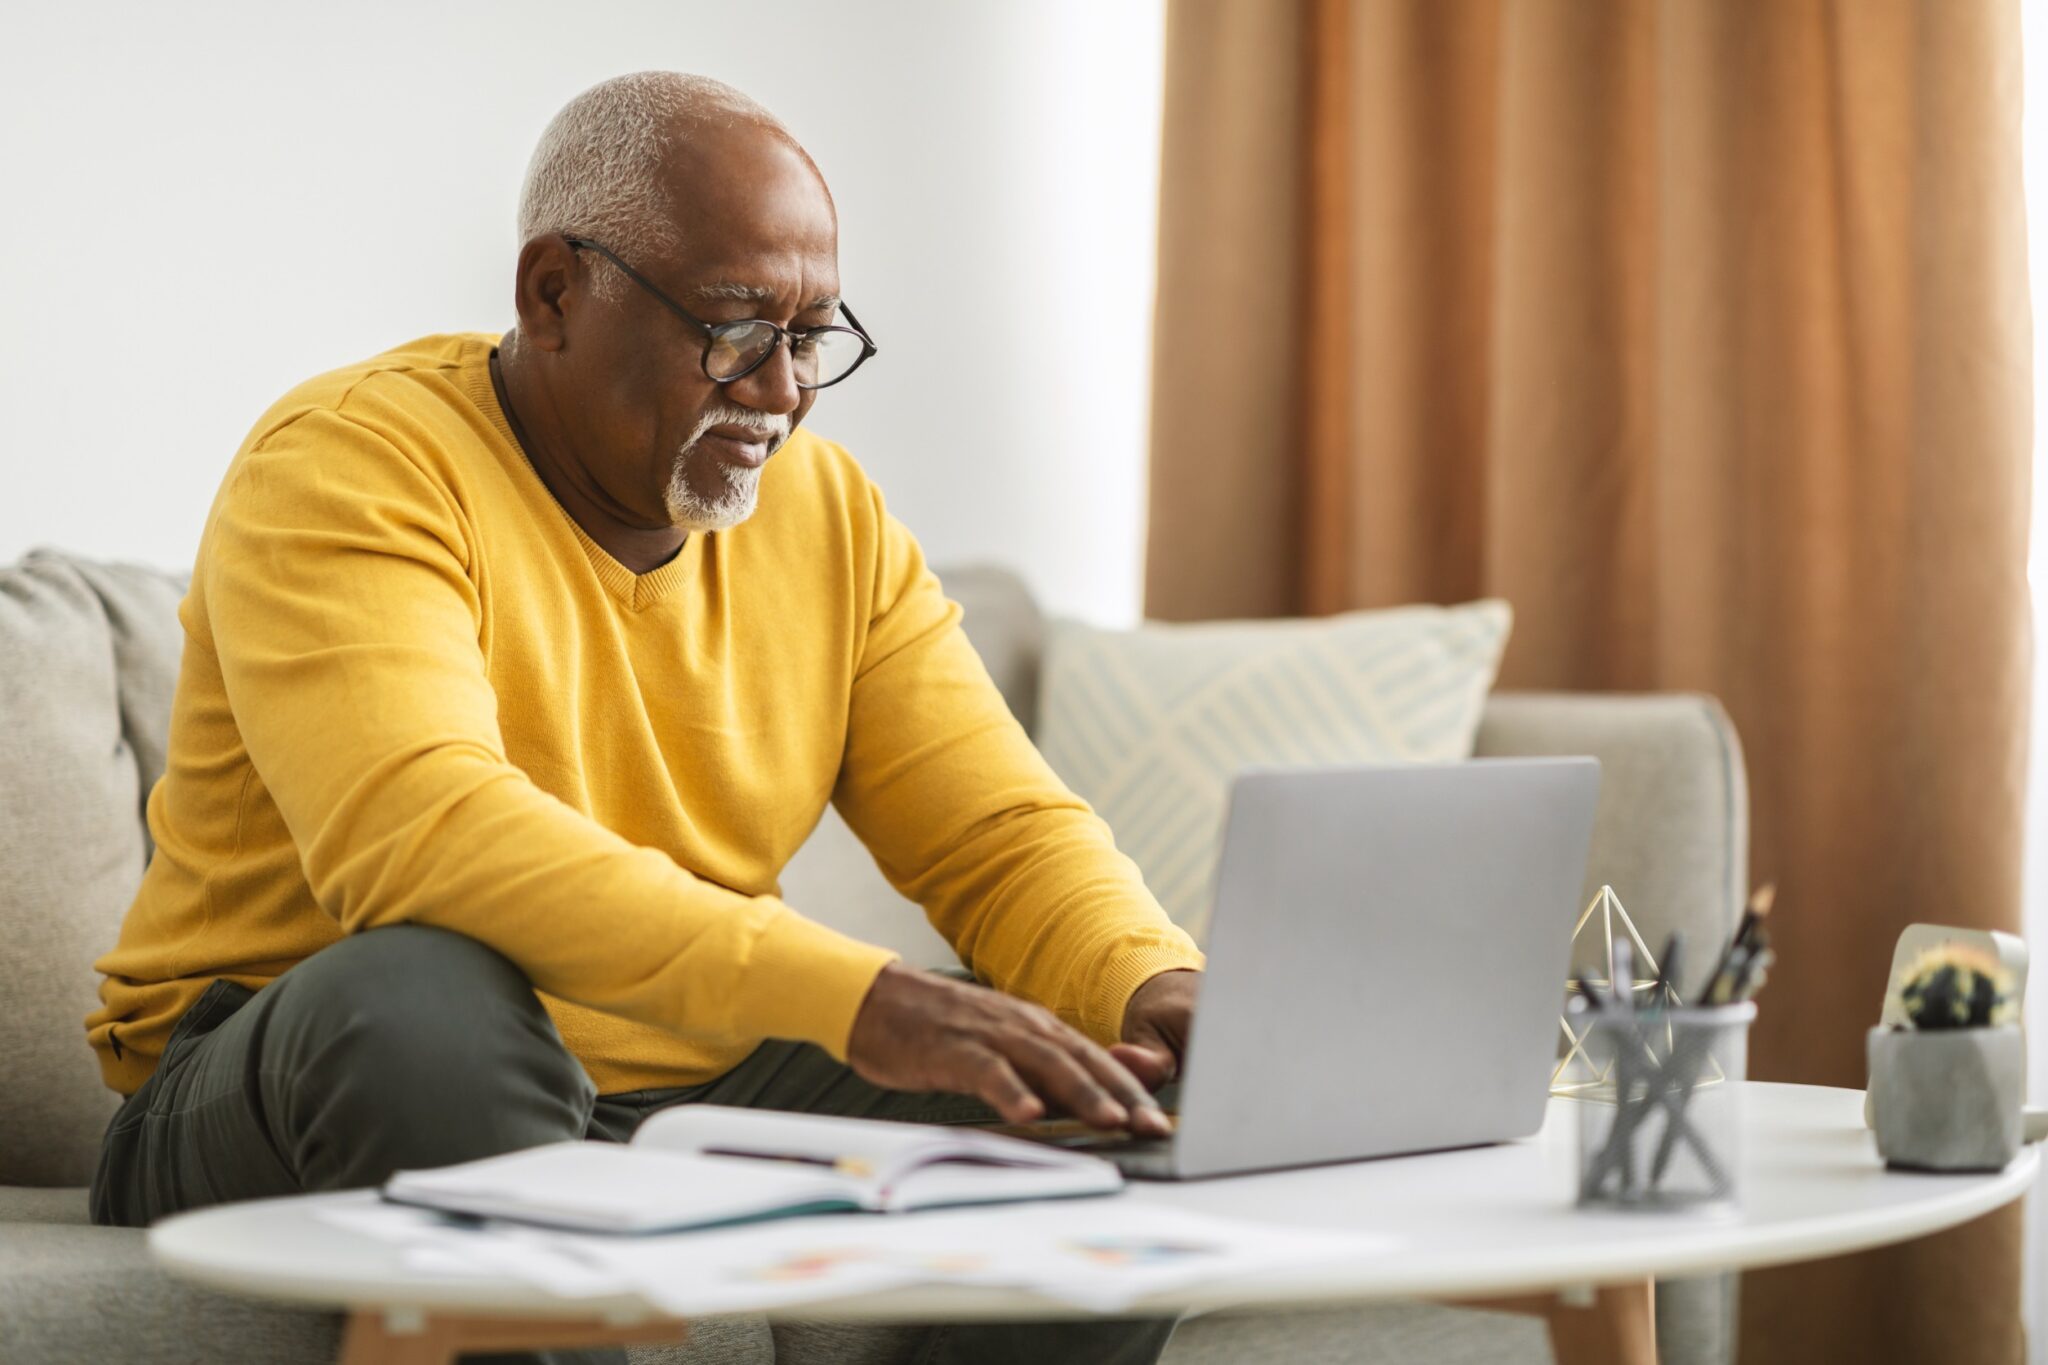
x=1578 y=1075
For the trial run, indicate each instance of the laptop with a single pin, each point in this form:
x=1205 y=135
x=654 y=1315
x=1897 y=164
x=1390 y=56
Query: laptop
x=1387 y=961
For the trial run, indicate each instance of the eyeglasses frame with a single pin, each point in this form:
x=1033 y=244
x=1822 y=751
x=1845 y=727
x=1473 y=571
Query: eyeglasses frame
x=784 y=336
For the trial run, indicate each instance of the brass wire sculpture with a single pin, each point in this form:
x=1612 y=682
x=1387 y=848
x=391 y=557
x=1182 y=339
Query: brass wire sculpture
x=1577 y=1076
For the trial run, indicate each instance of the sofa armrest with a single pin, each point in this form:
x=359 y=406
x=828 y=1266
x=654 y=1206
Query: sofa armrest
x=1672 y=833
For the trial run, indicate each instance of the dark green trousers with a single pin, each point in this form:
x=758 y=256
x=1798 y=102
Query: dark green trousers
x=409 y=1047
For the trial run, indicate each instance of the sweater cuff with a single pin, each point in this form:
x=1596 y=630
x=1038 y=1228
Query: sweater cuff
x=807 y=983
x=1103 y=1017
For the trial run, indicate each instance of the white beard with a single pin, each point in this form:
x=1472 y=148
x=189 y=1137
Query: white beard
x=690 y=512
x=734 y=503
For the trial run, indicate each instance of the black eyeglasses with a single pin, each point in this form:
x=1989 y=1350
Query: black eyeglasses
x=821 y=356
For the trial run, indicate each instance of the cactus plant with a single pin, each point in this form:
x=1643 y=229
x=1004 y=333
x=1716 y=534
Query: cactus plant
x=1954 y=987
x=1945 y=1084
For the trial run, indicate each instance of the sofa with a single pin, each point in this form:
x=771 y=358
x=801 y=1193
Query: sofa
x=88 y=660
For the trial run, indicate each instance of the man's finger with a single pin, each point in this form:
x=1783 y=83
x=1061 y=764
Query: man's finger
x=1056 y=1072
x=1151 y=1064
x=996 y=1083
x=1128 y=1089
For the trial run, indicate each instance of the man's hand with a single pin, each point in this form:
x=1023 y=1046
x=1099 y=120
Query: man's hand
x=919 y=1031
x=1155 y=1029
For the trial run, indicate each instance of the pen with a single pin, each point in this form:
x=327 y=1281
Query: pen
x=1588 y=992
x=1753 y=914
x=1740 y=977
x=1721 y=990
x=1685 y=1067
x=1754 y=970
x=1667 y=970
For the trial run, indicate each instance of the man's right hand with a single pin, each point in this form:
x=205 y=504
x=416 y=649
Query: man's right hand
x=920 y=1031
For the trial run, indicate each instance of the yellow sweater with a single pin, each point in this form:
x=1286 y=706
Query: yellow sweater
x=414 y=690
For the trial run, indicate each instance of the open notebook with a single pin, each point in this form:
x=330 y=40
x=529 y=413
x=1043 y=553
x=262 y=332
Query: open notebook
x=703 y=1165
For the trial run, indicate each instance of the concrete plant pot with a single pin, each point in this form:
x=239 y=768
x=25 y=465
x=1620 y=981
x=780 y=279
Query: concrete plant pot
x=1948 y=1099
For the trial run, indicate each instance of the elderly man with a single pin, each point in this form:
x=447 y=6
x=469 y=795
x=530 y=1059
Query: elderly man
x=515 y=671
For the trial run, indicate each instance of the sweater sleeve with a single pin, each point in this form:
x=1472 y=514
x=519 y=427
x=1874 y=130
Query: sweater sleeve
x=338 y=594
x=963 y=816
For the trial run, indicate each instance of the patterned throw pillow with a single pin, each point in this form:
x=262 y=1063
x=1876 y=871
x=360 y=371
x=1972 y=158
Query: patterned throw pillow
x=1149 y=725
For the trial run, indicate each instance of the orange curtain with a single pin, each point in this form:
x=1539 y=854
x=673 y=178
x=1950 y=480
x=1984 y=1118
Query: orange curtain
x=1699 y=331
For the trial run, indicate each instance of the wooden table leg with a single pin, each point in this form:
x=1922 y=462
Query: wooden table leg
x=1619 y=1327
x=1616 y=1325
x=371 y=1339
x=367 y=1340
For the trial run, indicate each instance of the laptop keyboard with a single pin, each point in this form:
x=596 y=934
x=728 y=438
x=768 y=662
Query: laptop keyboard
x=1143 y=1157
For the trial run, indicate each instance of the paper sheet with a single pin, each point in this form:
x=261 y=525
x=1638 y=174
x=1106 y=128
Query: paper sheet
x=1099 y=1254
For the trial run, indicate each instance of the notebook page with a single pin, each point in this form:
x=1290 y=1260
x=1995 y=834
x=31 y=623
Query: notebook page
x=604 y=1187
x=946 y=1184
x=871 y=1150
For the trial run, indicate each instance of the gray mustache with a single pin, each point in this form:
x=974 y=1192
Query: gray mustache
x=769 y=424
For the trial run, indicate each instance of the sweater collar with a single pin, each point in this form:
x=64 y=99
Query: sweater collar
x=634 y=591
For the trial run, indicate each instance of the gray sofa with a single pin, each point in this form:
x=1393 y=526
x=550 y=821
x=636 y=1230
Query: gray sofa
x=88 y=659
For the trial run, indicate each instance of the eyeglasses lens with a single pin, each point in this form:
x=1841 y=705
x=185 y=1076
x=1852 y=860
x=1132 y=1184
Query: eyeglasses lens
x=825 y=356
x=736 y=348
x=822 y=356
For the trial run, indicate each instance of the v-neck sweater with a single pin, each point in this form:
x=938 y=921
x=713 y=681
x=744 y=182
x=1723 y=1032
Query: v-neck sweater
x=414 y=690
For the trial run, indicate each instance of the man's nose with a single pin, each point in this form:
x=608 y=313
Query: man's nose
x=769 y=386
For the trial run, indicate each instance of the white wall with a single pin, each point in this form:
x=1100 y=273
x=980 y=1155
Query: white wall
x=210 y=202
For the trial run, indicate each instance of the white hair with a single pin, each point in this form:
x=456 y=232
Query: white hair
x=597 y=170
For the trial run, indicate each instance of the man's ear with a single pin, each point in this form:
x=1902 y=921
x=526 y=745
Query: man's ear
x=550 y=276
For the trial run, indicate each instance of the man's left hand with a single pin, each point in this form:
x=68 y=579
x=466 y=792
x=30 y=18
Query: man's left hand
x=1155 y=1033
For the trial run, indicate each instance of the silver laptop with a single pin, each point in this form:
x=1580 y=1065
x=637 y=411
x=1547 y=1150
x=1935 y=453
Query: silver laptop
x=1387 y=961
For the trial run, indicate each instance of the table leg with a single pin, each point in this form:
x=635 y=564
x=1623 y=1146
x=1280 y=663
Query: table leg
x=1616 y=1325
x=1619 y=1327
x=370 y=1339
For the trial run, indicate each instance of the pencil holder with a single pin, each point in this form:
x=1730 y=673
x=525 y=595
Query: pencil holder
x=1671 y=1135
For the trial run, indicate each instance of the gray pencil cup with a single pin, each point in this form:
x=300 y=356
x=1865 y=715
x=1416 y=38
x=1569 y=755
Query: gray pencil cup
x=1671 y=1136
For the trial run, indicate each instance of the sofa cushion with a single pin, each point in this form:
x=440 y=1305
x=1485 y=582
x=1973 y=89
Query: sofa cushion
x=91 y=1294
x=1370 y=1334
x=1149 y=725
x=141 y=607
x=70 y=1294
x=71 y=836
x=45 y=1204
x=1672 y=833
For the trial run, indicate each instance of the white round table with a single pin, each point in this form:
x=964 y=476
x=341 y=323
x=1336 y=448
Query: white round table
x=1489 y=1221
